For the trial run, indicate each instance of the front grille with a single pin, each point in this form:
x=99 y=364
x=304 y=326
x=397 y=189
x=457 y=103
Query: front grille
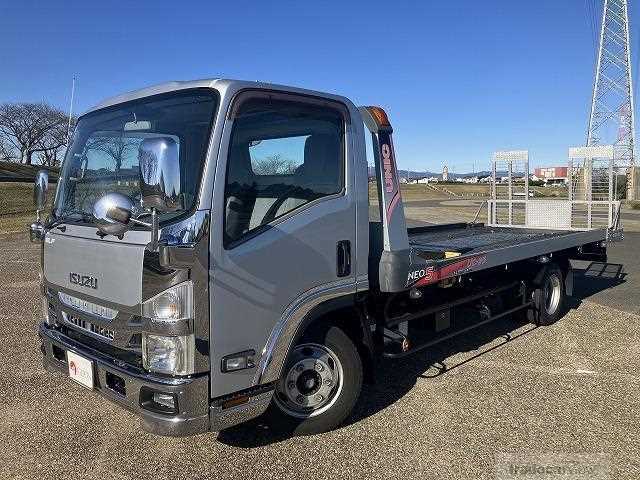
x=91 y=341
x=90 y=327
x=91 y=308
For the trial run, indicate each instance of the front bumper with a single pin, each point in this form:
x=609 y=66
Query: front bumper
x=196 y=413
x=192 y=393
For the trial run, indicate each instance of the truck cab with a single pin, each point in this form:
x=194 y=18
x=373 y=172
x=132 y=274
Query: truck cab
x=260 y=201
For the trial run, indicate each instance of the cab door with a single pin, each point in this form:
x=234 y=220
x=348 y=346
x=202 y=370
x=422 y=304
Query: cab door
x=283 y=221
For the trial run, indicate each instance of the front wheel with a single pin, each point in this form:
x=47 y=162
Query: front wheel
x=320 y=384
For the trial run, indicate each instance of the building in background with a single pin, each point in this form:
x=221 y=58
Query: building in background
x=551 y=175
x=423 y=180
x=445 y=173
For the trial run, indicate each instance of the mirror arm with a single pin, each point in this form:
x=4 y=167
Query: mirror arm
x=140 y=222
x=153 y=244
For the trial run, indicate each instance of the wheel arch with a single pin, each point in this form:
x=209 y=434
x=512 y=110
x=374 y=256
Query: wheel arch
x=346 y=313
x=564 y=264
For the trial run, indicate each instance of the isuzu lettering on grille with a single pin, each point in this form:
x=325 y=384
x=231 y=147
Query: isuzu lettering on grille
x=83 y=280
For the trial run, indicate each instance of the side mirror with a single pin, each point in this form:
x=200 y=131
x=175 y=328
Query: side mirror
x=112 y=213
x=40 y=189
x=36 y=232
x=159 y=163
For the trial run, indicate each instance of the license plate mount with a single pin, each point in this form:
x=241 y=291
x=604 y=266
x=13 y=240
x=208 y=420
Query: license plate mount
x=80 y=369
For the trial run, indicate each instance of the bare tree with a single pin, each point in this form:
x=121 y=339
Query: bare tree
x=7 y=152
x=274 y=165
x=52 y=146
x=24 y=127
x=148 y=167
x=115 y=147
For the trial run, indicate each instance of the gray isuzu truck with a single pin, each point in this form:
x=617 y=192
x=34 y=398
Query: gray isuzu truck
x=210 y=258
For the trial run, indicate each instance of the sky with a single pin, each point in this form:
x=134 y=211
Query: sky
x=459 y=79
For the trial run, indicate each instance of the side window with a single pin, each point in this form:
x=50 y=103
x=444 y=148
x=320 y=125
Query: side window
x=282 y=155
x=277 y=156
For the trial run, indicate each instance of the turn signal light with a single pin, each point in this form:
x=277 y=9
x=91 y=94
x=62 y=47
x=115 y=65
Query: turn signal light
x=239 y=361
x=174 y=304
x=380 y=116
x=234 y=402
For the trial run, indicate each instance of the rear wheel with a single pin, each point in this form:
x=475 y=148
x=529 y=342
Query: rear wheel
x=320 y=383
x=549 y=297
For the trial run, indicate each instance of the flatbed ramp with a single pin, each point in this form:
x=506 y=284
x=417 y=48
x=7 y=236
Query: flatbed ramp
x=519 y=227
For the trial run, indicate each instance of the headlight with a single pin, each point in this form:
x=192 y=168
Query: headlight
x=175 y=303
x=171 y=355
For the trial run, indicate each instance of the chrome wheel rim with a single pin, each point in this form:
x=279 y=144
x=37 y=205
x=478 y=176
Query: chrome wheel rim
x=552 y=294
x=313 y=381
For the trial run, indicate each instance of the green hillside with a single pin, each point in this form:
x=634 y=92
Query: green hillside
x=16 y=172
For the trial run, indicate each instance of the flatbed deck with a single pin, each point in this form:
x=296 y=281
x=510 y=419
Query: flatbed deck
x=465 y=238
x=443 y=251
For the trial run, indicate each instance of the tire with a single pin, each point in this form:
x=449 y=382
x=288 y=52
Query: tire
x=550 y=296
x=320 y=384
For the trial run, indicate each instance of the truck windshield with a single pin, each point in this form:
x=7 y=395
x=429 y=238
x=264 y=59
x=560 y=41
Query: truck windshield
x=103 y=156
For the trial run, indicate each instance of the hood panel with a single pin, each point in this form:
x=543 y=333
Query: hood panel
x=111 y=271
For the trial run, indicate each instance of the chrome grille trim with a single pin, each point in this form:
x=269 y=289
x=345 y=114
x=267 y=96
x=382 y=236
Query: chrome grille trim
x=105 y=313
x=89 y=327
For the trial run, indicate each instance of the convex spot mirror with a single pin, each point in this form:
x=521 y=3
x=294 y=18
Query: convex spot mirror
x=112 y=213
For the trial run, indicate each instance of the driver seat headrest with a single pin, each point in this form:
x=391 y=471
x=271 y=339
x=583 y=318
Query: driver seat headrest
x=321 y=160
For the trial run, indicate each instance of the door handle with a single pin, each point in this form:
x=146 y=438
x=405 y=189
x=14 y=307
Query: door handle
x=343 y=258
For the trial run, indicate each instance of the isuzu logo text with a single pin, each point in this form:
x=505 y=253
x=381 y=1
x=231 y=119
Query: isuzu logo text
x=83 y=280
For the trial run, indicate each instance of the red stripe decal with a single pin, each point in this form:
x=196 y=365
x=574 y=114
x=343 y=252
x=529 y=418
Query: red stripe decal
x=432 y=274
x=392 y=206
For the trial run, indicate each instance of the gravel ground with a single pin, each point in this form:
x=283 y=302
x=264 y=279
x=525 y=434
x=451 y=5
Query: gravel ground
x=572 y=388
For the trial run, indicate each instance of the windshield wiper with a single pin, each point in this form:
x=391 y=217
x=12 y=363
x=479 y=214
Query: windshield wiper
x=66 y=214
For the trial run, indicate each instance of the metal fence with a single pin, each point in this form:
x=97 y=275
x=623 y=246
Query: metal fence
x=590 y=203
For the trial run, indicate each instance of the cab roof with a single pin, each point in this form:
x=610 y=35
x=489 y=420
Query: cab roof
x=217 y=83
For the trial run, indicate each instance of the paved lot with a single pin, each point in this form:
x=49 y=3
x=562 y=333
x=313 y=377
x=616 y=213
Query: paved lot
x=571 y=388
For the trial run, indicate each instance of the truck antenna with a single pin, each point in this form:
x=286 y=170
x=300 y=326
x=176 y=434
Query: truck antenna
x=73 y=91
